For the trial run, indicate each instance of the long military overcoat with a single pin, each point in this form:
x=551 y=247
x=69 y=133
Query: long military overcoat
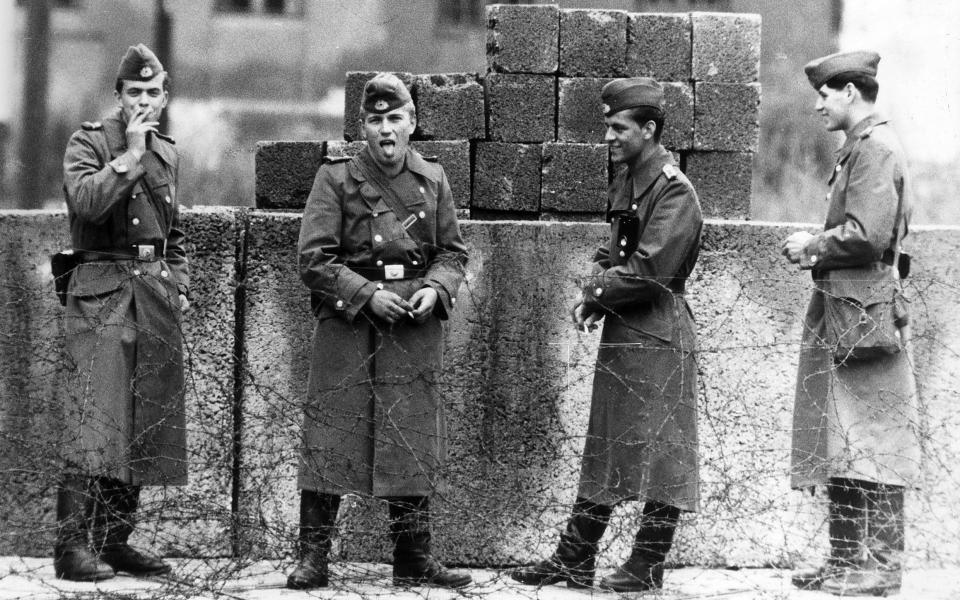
x=125 y=418
x=642 y=437
x=374 y=419
x=856 y=419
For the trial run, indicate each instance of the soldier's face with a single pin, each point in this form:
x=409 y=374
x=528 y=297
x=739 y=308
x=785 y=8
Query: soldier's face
x=147 y=97
x=625 y=138
x=833 y=106
x=388 y=135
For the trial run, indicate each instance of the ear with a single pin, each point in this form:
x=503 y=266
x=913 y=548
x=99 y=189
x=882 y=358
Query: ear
x=649 y=130
x=116 y=96
x=851 y=92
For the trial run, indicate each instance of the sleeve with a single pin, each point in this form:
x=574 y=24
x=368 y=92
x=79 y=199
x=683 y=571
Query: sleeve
x=176 y=255
x=92 y=186
x=871 y=197
x=446 y=270
x=319 y=248
x=672 y=229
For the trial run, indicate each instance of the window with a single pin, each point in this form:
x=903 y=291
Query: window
x=461 y=13
x=272 y=8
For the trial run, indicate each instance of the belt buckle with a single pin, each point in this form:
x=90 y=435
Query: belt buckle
x=393 y=271
x=146 y=251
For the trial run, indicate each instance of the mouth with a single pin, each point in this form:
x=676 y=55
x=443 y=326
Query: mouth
x=388 y=144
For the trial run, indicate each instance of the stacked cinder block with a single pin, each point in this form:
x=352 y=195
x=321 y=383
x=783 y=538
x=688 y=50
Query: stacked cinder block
x=525 y=139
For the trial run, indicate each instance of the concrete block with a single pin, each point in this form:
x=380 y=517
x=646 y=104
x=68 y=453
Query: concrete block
x=579 y=109
x=285 y=172
x=521 y=108
x=522 y=38
x=726 y=47
x=192 y=520
x=449 y=107
x=659 y=46
x=726 y=117
x=678 y=126
x=592 y=42
x=574 y=178
x=507 y=177
x=722 y=181
x=352 y=96
x=454 y=157
x=338 y=148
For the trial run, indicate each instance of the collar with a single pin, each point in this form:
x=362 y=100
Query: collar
x=859 y=131
x=649 y=170
x=412 y=162
x=115 y=128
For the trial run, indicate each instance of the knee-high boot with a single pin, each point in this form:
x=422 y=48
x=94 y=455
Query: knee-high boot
x=644 y=569
x=413 y=564
x=72 y=558
x=113 y=522
x=318 y=515
x=574 y=560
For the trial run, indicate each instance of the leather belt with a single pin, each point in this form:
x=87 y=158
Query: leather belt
x=388 y=272
x=143 y=252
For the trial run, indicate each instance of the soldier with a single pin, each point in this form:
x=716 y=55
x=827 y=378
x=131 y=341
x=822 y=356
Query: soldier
x=854 y=416
x=381 y=252
x=642 y=438
x=125 y=425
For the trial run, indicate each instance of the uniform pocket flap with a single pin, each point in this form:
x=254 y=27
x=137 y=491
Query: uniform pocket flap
x=96 y=279
x=864 y=285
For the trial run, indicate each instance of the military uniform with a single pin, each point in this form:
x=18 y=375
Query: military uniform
x=642 y=438
x=374 y=421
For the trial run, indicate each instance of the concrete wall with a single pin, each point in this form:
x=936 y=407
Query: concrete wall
x=517 y=390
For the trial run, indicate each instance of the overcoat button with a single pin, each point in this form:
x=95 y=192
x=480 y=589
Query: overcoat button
x=423 y=215
x=378 y=238
x=135 y=221
x=166 y=199
x=136 y=272
x=597 y=292
x=164 y=274
x=379 y=263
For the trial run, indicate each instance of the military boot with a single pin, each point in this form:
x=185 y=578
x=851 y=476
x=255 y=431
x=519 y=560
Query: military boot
x=72 y=558
x=412 y=562
x=846 y=523
x=574 y=560
x=318 y=513
x=643 y=571
x=113 y=522
x=879 y=574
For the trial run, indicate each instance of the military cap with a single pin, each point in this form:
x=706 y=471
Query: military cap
x=139 y=64
x=621 y=94
x=823 y=69
x=383 y=93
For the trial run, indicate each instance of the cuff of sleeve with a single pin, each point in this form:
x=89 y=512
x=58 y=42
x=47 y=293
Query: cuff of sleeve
x=183 y=290
x=811 y=254
x=445 y=305
x=352 y=306
x=127 y=166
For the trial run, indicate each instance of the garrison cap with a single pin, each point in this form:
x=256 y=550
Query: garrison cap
x=139 y=64
x=383 y=93
x=822 y=70
x=621 y=94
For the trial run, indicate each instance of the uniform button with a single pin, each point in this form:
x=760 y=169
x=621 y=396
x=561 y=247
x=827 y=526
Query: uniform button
x=379 y=286
x=453 y=301
x=164 y=274
x=415 y=263
x=597 y=292
x=339 y=303
x=423 y=215
x=422 y=191
x=379 y=263
x=378 y=238
x=135 y=221
x=829 y=196
x=838 y=168
x=622 y=254
x=813 y=259
x=166 y=199
x=623 y=242
x=136 y=272
x=375 y=215
x=633 y=206
x=133 y=196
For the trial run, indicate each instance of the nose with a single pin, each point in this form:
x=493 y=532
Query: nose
x=608 y=135
x=818 y=105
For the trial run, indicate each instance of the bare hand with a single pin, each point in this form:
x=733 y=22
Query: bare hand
x=583 y=320
x=389 y=306
x=137 y=130
x=184 y=304
x=792 y=247
x=423 y=301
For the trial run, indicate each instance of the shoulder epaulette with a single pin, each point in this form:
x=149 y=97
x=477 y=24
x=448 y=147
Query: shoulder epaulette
x=332 y=160
x=164 y=137
x=432 y=159
x=670 y=171
x=91 y=125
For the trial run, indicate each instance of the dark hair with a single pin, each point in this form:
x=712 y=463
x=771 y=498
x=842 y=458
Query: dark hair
x=118 y=86
x=642 y=114
x=867 y=85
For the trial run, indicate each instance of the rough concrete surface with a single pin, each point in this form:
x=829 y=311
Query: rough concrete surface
x=520 y=108
x=726 y=117
x=183 y=521
x=507 y=177
x=522 y=38
x=574 y=178
x=285 y=171
x=678 y=125
x=449 y=106
x=726 y=47
x=722 y=181
x=593 y=42
x=579 y=109
x=659 y=46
